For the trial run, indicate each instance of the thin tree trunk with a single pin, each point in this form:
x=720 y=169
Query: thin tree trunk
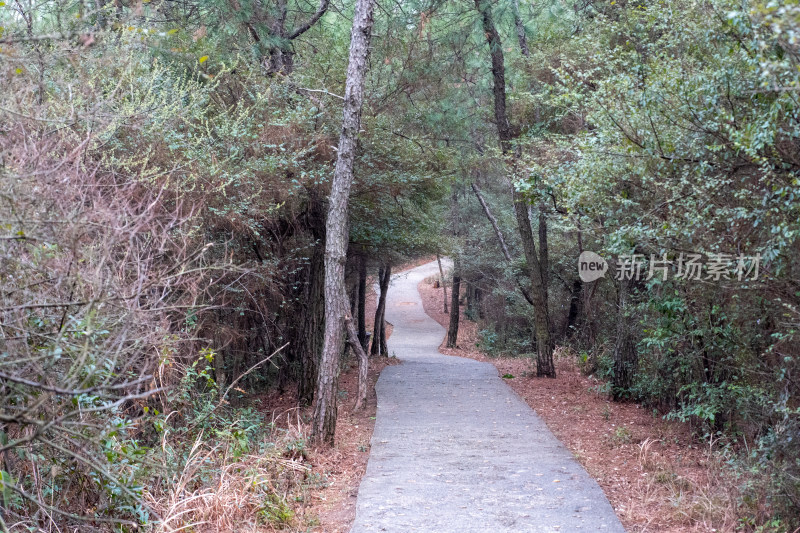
x=337 y=227
x=452 y=330
x=520 y=27
x=387 y=276
x=544 y=251
x=219 y=369
x=444 y=286
x=379 y=328
x=363 y=363
x=625 y=354
x=362 y=301
x=574 y=308
x=544 y=347
x=376 y=323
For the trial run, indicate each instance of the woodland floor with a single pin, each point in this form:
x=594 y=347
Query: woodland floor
x=656 y=476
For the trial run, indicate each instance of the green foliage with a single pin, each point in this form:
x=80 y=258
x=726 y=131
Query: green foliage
x=276 y=511
x=686 y=132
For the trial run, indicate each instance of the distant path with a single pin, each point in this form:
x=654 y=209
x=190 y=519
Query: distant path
x=456 y=450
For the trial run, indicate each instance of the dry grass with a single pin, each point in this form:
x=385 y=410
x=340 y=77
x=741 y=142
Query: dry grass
x=216 y=490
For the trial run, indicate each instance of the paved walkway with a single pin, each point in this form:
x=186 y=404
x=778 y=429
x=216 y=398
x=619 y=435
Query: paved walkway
x=456 y=450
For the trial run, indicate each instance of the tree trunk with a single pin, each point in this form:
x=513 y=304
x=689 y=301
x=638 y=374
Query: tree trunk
x=625 y=354
x=574 y=308
x=337 y=226
x=469 y=293
x=544 y=347
x=379 y=327
x=452 y=331
x=522 y=37
x=444 y=286
x=362 y=301
x=544 y=251
x=455 y=289
x=387 y=276
x=384 y=340
x=310 y=334
x=375 y=348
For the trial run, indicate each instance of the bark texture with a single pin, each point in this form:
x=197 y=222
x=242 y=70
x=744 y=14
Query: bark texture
x=452 y=330
x=337 y=226
x=308 y=337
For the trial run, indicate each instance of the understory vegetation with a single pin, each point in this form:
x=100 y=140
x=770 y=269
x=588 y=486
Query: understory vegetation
x=165 y=172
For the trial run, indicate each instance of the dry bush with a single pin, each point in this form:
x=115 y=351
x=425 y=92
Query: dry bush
x=249 y=493
x=99 y=271
x=96 y=277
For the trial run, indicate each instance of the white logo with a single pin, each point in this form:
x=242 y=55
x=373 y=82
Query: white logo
x=591 y=267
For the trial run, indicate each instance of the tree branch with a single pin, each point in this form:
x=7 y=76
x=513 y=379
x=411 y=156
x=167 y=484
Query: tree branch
x=323 y=7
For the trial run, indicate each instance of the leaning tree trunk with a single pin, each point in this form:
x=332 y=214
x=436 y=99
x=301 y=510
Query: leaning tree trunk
x=375 y=345
x=444 y=286
x=544 y=344
x=337 y=232
x=625 y=354
x=363 y=363
x=379 y=326
x=501 y=241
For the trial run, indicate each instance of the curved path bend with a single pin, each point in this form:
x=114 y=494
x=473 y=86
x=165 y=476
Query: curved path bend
x=456 y=450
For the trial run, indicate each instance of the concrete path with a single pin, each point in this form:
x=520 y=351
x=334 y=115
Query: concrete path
x=456 y=450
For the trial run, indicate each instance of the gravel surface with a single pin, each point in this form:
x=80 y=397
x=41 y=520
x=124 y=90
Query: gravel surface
x=455 y=449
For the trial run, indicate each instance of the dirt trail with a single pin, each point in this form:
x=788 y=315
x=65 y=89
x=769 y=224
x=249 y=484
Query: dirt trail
x=456 y=450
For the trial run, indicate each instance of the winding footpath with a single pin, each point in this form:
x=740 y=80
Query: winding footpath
x=456 y=450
